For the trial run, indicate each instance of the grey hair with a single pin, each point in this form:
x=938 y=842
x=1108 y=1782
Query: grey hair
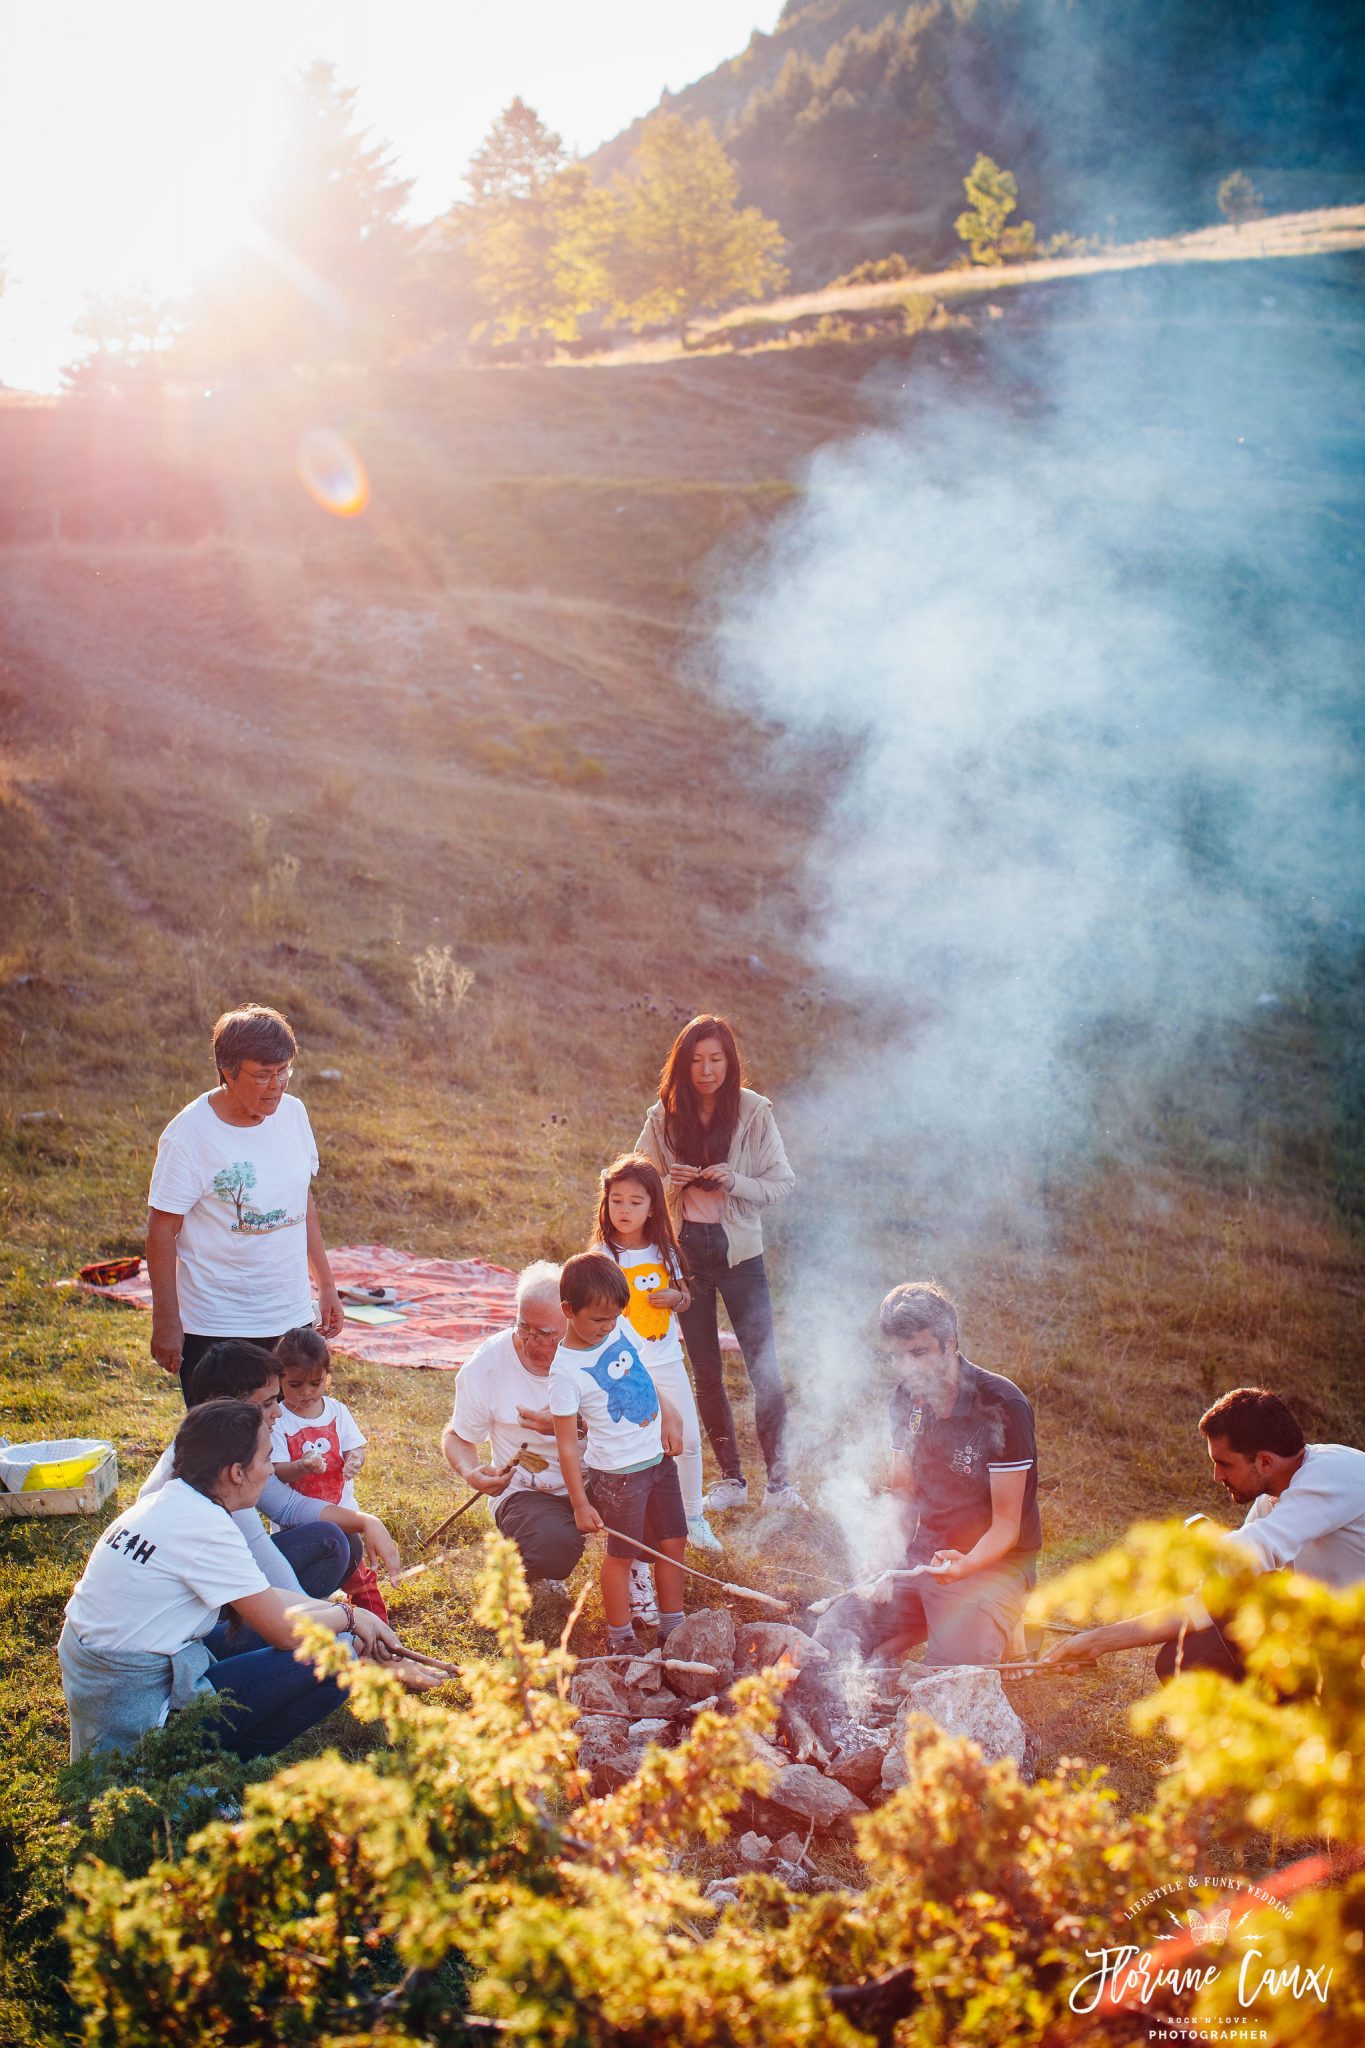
x=538 y=1282
x=918 y=1305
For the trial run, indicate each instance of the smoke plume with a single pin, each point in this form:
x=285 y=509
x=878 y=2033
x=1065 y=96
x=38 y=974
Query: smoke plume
x=1082 y=621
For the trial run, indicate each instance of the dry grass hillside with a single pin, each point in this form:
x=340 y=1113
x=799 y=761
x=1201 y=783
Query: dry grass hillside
x=253 y=750
x=249 y=744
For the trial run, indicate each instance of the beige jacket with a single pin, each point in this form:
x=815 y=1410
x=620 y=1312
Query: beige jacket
x=757 y=1160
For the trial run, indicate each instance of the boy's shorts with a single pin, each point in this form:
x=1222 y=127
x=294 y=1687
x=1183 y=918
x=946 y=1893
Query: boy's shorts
x=646 y=1504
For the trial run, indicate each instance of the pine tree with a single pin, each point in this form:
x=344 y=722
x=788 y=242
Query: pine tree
x=994 y=195
x=681 y=245
x=1238 y=199
x=534 y=229
x=326 y=274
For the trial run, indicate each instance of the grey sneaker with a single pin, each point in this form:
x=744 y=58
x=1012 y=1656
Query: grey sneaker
x=643 y=1605
x=701 y=1535
x=784 y=1497
x=727 y=1493
x=555 y=1587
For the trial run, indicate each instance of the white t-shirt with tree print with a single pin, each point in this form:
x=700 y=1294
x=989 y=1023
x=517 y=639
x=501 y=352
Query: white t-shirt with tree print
x=242 y=1189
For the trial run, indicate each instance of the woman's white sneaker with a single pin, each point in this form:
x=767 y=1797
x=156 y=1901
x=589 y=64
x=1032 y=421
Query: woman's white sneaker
x=701 y=1535
x=727 y=1493
x=784 y=1497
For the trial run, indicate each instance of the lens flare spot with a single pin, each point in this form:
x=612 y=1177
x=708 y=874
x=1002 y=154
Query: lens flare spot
x=332 y=473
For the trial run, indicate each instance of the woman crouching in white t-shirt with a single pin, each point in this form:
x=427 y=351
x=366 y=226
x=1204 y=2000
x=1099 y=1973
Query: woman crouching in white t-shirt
x=132 y=1648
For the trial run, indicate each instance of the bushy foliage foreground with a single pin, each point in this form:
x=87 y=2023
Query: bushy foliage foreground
x=460 y=1883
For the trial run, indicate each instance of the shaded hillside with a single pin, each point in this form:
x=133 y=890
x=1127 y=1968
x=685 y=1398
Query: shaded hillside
x=854 y=122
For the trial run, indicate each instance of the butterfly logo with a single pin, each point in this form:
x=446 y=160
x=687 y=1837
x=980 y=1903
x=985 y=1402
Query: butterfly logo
x=1208 y=1930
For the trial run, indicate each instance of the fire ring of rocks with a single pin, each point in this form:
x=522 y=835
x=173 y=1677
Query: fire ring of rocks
x=840 y=1737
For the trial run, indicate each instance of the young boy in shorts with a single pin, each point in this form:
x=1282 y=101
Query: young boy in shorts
x=631 y=1482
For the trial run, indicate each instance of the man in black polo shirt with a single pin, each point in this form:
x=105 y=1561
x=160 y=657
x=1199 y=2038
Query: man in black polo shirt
x=965 y=1465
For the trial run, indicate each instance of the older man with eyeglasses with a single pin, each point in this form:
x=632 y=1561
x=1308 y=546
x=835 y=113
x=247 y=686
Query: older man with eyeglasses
x=232 y=1227
x=502 y=1401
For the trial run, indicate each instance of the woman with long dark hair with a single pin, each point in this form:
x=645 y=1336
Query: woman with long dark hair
x=717 y=1146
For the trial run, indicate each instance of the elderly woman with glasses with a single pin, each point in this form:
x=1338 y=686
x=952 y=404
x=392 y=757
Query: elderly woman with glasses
x=502 y=1400
x=232 y=1227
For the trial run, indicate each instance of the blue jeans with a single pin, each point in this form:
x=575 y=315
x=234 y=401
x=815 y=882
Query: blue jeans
x=744 y=1290
x=272 y=1698
x=321 y=1556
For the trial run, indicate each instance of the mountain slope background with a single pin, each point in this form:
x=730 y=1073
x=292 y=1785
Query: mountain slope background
x=853 y=123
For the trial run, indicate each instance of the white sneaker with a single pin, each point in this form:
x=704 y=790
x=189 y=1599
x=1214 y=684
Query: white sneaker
x=556 y=1588
x=643 y=1604
x=701 y=1535
x=784 y=1497
x=726 y=1493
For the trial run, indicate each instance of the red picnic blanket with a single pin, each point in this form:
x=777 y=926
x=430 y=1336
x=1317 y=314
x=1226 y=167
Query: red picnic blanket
x=448 y=1306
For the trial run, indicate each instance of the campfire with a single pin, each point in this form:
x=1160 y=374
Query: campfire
x=839 y=1743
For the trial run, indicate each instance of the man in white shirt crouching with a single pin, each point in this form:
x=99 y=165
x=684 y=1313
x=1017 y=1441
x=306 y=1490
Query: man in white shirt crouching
x=1305 y=1512
x=502 y=1400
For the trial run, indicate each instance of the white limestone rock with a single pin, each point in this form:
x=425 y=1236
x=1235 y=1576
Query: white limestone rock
x=965 y=1699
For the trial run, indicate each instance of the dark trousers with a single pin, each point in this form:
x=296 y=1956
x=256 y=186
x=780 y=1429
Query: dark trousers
x=272 y=1698
x=744 y=1290
x=543 y=1528
x=192 y=1350
x=1199 y=1649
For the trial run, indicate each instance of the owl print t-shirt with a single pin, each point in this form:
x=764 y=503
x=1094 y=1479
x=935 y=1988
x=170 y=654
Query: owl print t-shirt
x=989 y=1428
x=611 y=1389
x=653 y=1331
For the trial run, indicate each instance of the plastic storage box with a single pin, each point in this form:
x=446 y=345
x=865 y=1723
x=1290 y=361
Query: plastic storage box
x=68 y=1476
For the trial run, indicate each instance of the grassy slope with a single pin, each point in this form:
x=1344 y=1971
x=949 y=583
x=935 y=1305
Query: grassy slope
x=471 y=720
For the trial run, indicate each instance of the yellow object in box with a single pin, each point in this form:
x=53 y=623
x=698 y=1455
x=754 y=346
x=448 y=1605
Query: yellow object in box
x=63 y=1471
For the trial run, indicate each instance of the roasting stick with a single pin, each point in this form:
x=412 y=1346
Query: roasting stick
x=421 y=1657
x=529 y=1460
x=741 y=1592
x=914 y=1571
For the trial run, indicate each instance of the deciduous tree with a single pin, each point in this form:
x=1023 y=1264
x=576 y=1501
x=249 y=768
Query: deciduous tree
x=994 y=195
x=681 y=244
x=534 y=226
x=130 y=339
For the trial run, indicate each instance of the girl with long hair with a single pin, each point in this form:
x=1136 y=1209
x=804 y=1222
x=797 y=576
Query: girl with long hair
x=718 y=1150
x=633 y=1227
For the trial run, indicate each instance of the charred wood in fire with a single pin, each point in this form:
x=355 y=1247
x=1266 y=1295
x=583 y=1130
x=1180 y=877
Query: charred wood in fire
x=796 y=1732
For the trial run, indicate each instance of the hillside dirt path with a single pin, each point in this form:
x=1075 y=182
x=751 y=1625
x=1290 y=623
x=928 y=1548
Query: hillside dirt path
x=1326 y=231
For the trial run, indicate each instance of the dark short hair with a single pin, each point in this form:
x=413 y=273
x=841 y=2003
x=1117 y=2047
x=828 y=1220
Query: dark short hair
x=919 y=1305
x=230 y=1370
x=212 y=1437
x=589 y=1277
x=1249 y=1419
x=304 y=1346
x=252 y=1032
